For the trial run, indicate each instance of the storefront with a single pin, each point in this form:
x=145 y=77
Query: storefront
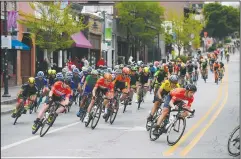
x=95 y=40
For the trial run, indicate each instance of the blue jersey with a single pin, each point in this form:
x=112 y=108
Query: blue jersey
x=41 y=83
x=72 y=85
x=76 y=81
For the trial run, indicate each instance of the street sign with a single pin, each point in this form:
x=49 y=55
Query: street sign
x=6 y=42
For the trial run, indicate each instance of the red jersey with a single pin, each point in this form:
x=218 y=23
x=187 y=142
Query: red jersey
x=179 y=94
x=58 y=90
x=101 y=82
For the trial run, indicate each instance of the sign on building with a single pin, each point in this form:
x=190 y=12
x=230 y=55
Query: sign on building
x=6 y=42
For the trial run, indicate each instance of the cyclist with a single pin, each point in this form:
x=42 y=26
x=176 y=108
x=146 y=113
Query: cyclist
x=42 y=84
x=27 y=92
x=159 y=77
x=76 y=87
x=105 y=85
x=88 y=87
x=175 y=96
x=222 y=69
x=204 y=68
x=59 y=92
x=170 y=68
x=51 y=77
x=152 y=72
x=134 y=77
x=59 y=77
x=190 y=68
x=64 y=71
x=165 y=88
x=121 y=81
x=182 y=74
x=216 y=68
x=143 y=80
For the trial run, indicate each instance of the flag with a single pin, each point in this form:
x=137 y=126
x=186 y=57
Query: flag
x=12 y=20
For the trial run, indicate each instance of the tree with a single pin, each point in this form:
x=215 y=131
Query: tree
x=53 y=27
x=183 y=30
x=221 y=20
x=142 y=19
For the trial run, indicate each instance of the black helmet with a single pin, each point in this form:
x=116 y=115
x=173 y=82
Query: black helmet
x=191 y=87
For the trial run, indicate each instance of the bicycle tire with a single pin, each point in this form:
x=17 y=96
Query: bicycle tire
x=15 y=121
x=229 y=140
x=90 y=118
x=34 y=132
x=18 y=114
x=107 y=116
x=49 y=126
x=153 y=125
x=113 y=114
x=31 y=108
x=169 y=131
x=99 y=110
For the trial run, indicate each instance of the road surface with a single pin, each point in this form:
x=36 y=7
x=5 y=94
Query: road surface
x=206 y=135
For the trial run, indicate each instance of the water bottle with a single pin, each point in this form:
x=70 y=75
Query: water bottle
x=159 y=111
x=46 y=115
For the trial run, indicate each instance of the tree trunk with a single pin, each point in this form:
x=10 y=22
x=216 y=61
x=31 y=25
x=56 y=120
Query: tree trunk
x=179 y=51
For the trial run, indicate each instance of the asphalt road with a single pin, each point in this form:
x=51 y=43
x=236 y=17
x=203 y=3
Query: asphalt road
x=206 y=135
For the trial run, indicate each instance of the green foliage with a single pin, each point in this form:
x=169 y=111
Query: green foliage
x=53 y=28
x=183 y=58
x=223 y=20
x=226 y=40
x=142 y=19
x=220 y=45
x=212 y=48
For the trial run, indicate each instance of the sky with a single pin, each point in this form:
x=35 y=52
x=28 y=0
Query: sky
x=227 y=3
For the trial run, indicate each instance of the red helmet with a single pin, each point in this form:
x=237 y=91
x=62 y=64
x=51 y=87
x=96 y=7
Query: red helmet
x=126 y=70
x=156 y=63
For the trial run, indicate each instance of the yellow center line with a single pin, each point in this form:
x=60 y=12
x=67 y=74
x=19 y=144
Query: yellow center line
x=195 y=126
x=189 y=147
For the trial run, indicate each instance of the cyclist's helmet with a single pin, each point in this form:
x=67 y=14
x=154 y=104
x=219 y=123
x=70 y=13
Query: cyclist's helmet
x=67 y=80
x=108 y=76
x=126 y=70
x=139 y=63
x=53 y=72
x=31 y=80
x=64 y=70
x=40 y=74
x=151 y=64
x=156 y=63
x=75 y=70
x=191 y=87
x=72 y=67
x=89 y=69
x=49 y=71
x=69 y=74
x=60 y=76
x=94 y=72
x=146 y=70
x=134 y=68
x=118 y=71
x=173 y=79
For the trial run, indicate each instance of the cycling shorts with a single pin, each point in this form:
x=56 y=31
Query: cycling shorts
x=54 y=98
x=87 y=90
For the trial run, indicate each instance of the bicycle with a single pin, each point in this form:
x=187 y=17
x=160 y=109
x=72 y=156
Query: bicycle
x=21 y=110
x=156 y=115
x=126 y=102
x=40 y=95
x=113 y=109
x=33 y=106
x=141 y=95
x=216 y=76
x=204 y=75
x=50 y=117
x=194 y=77
x=234 y=142
x=74 y=97
x=85 y=107
x=95 y=111
x=170 y=122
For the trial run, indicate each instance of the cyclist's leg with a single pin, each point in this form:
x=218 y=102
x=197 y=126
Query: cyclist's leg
x=44 y=109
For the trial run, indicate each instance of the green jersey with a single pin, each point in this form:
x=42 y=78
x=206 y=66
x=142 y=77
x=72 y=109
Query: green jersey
x=91 y=80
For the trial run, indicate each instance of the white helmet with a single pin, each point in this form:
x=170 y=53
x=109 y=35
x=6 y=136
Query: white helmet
x=84 y=69
x=139 y=63
x=116 y=67
x=73 y=67
x=94 y=72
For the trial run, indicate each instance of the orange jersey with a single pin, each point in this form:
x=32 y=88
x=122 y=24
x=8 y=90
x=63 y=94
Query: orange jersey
x=179 y=94
x=59 y=90
x=121 y=78
x=216 y=66
x=166 y=69
x=101 y=82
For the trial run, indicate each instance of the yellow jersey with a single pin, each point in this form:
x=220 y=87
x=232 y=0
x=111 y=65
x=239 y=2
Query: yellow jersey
x=166 y=85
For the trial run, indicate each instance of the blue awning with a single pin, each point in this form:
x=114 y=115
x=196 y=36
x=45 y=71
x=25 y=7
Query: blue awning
x=19 y=45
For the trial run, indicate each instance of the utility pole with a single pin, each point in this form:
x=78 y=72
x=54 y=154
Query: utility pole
x=5 y=72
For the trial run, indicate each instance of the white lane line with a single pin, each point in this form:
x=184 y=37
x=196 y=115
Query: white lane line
x=35 y=137
x=47 y=157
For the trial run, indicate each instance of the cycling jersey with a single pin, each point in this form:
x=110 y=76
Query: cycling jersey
x=183 y=71
x=166 y=85
x=143 y=79
x=170 y=68
x=40 y=84
x=152 y=71
x=160 y=75
x=178 y=94
x=120 y=81
x=101 y=82
x=91 y=80
x=190 y=68
x=216 y=66
x=27 y=91
x=134 y=78
x=204 y=65
x=76 y=81
x=59 y=90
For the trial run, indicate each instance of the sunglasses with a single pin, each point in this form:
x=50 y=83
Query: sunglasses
x=108 y=80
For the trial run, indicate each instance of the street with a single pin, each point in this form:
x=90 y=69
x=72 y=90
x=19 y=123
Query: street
x=206 y=135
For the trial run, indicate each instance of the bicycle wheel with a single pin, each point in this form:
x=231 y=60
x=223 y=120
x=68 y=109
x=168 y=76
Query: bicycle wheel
x=31 y=108
x=90 y=118
x=18 y=114
x=113 y=114
x=233 y=142
x=148 y=125
x=151 y=135
x=177 y=122
x=140 y=99
x=47 y=125
x=125 y=105
x=96 y=116
x=39 y=125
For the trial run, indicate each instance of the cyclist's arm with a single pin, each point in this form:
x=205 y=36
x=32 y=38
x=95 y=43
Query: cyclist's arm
x=159 y=93
x=84 y=85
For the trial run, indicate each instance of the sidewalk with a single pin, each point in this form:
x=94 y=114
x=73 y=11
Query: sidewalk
x=6 y=109
x=13 y=91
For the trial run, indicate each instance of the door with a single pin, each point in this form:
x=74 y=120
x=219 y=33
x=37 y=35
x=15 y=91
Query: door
x=25 y=65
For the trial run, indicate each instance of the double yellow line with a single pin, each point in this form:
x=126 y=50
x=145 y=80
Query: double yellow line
x=187 y=149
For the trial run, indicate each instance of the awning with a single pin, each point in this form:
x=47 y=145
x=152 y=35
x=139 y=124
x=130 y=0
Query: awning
x=80 y=40
x=19 y=45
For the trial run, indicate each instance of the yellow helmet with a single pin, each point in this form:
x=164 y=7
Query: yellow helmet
x=53 y=72
x=49 y=71
x=183 y=65
x=146 y=69
x=31 y=80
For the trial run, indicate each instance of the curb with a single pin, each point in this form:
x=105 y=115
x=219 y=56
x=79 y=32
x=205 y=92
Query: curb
x=11 y=101
x=7 y=112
